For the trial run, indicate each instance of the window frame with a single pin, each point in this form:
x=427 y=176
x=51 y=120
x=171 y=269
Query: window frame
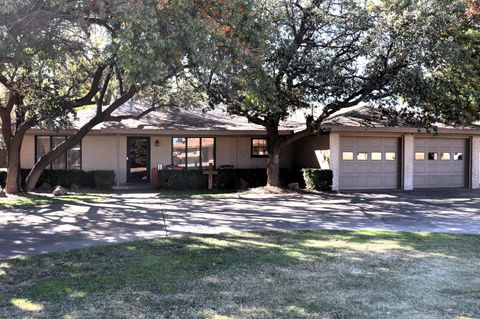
x=251 y=147
x=200 y=156
x=49 y=167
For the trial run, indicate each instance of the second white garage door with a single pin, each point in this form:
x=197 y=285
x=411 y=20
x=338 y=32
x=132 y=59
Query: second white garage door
x=369 y=163
x=440 y=162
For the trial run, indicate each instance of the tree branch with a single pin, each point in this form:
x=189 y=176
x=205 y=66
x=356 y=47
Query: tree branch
x=6 y=83
x=118 y=118
x=104 y=90
x=94 y=88
x=120 y=101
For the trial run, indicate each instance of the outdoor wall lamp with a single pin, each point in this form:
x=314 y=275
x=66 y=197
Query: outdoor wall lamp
x=157 y=143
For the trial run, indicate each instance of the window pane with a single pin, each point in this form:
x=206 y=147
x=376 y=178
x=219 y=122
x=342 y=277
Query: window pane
x=259 y=147
x=432 y=156
x=445 y=157
x=74 y=157
x=347 y=156
x=178 y=151
x=390 y=156
x=59 y=163
x=208 y=151
x=458 y=156
x=376 y=156
x=193 y=152
x=362 y=156
x=43 y=146
x=419 y=156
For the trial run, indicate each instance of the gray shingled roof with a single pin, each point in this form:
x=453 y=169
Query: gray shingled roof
x=219 y=120
x=178 y=119
x=368 y=116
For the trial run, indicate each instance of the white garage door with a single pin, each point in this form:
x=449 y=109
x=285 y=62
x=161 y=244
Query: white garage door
x=440 y=162
x=369 y=163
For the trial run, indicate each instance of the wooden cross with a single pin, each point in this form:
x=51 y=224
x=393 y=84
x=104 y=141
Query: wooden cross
x=210 y=172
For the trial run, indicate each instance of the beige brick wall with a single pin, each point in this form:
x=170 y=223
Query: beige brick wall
x=334 y=144
x=476 y=162
x=27 y=154
x=109 y=152
x=408 y=156
x=312 y=151
x=160 y=154
x=105 y=152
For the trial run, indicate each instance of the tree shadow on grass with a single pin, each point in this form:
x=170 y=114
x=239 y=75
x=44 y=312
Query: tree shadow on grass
x=274 y=273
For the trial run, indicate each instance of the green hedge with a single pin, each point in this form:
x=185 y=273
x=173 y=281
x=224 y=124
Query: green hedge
x=232 y=179
x=104 y=179
x=90 y=179
x=176 y=180
x=317 y=179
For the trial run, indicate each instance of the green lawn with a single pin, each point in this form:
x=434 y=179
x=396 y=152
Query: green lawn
x=26 y=200
x=328 y=274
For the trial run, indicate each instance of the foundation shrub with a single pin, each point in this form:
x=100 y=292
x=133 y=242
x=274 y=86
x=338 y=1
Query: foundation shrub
x=317 y=179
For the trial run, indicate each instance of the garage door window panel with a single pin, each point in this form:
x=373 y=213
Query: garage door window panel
x=458 y=156
x=432 y=156
x=347 y=156
x=419 y=156
x=376 y=156
x=445 y=156
x=362 y=156
x=390 y=156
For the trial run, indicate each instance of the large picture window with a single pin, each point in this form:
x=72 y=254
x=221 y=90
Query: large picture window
x=71 y=160
x=193 y=152
x=259 y=147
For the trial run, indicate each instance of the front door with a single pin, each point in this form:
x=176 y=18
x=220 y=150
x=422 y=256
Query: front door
x=138 y=159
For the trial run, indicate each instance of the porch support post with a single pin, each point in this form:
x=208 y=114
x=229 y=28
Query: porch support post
x=475 y=169
x=335 y=158
x=408 y=154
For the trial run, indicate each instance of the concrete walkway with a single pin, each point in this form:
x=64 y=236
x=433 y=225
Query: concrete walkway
x=132 y=216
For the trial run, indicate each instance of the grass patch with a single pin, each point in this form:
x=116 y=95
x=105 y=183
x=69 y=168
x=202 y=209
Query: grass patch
x=327 y=274
x=27 y=200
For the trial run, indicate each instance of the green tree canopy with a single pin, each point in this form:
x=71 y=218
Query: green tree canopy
x=57 y=56
x=327 y=55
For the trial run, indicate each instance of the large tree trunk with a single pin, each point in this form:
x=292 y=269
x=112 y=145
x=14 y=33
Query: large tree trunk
x=274 y=147
x=273 y=168
x=13 y=182
x=275 y=144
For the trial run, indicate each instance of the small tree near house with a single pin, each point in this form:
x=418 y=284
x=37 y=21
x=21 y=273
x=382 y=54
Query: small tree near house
x=278 y=57
x=59 y=56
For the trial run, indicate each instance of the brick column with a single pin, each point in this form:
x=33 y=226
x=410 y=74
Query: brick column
x=408 y=155
x=335 y=158
x=475 y=162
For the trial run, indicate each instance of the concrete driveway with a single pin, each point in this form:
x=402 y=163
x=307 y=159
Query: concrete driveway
x=131 y=216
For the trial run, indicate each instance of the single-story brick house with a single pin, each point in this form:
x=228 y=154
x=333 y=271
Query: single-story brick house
x=362 y=154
